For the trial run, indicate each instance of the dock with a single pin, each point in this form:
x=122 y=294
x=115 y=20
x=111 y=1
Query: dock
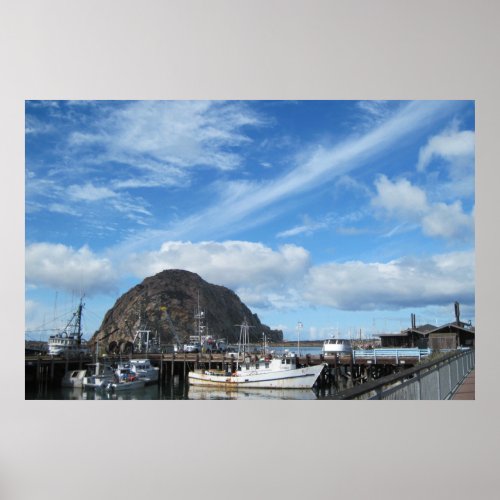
x=342 y=371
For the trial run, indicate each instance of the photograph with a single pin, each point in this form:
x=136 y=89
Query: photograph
x=249 y=249
x=249 y=243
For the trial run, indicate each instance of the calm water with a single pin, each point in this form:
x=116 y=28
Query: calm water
x=176 y=389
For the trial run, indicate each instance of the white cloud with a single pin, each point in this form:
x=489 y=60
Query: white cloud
x=61 y=267
x=405 y=202
x=285 y=278
x=448 y=221
x=399 y=198
x=89 y=192
x=406 y=282
x=257 y=273
x=451 y=145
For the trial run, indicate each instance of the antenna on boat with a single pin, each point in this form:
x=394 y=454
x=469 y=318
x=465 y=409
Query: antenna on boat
x=299 y=327
x=244 y=339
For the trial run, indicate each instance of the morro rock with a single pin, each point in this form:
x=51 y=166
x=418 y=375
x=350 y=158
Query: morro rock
x=167 y=302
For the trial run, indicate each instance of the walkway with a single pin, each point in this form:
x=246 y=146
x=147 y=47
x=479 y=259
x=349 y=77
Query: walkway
x=467 y=390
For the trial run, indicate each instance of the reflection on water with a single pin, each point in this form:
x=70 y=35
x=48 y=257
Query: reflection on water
x=175 y=389
x=197 y=392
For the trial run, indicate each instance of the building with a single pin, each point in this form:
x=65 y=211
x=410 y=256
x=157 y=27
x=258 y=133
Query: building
x=449 y=336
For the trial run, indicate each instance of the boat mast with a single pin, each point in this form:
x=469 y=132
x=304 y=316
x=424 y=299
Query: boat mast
x=299 y=327
x=199 y=316
x=244 y=339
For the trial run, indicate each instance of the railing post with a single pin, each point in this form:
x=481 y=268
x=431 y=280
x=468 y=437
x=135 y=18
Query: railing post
x=449 y=376
x=438 y=383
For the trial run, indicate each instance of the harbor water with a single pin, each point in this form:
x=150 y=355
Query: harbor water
x=173 y=389
x=176 y=389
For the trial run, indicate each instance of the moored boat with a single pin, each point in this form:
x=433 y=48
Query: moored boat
x=258 y=372
x=69 y=341
x=336 y=346
x=124 y=378
x=143 y=370
x=98 y=375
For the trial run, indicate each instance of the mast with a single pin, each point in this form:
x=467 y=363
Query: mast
x=244 y=340
x=299 y=327
x=199 y=317
x=78 y=326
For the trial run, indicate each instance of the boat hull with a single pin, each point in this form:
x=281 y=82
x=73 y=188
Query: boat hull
x=298 y=378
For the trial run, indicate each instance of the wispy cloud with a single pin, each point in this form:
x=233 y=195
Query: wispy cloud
x=172 y=134
x=89 y=192
x=308 y=227
x=239 y=202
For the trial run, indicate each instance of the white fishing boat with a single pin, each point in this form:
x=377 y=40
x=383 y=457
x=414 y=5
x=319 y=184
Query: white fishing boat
x=69 y=341
x=335 y=346
x=98 y=375
x=258 y=372
x=73 y=378
x=144 y=370
x=125 y=379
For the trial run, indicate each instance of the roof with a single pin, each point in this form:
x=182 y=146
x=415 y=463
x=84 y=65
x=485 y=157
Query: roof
x=461 y=327
x=420 y=330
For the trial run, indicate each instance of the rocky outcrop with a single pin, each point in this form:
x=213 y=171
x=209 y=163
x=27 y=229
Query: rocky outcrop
x=176 y=293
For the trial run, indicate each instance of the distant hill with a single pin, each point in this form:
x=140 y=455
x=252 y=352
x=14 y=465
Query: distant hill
x=176 y=292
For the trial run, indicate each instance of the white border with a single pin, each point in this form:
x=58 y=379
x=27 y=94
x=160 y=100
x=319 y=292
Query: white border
x=250 y=50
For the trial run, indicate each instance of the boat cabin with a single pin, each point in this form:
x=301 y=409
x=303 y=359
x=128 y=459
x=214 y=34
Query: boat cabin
x=267 y=364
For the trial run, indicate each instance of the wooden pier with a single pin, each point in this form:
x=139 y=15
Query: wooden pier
x=341 y=371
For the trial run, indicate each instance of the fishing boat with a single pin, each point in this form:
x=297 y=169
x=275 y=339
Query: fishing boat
x=258 y=372
x=335 y=346
x=69 y=341
x=98 y=375
x=142 y=369
x=125 y=379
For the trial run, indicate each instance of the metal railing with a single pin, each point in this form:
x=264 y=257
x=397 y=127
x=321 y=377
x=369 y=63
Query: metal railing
x=380 y=353
x=434 y=379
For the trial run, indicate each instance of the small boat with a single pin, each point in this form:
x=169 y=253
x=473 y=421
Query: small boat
x=125 y=379
x=257 y=372
x=336 y=346
x=144 y=370
x=73 y=378
x=69 y=341
x=98 y=375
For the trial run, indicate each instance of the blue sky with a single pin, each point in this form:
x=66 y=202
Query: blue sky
x=343 y=215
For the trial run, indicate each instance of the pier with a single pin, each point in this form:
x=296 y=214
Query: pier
x=448 y=377
x=343 y=372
